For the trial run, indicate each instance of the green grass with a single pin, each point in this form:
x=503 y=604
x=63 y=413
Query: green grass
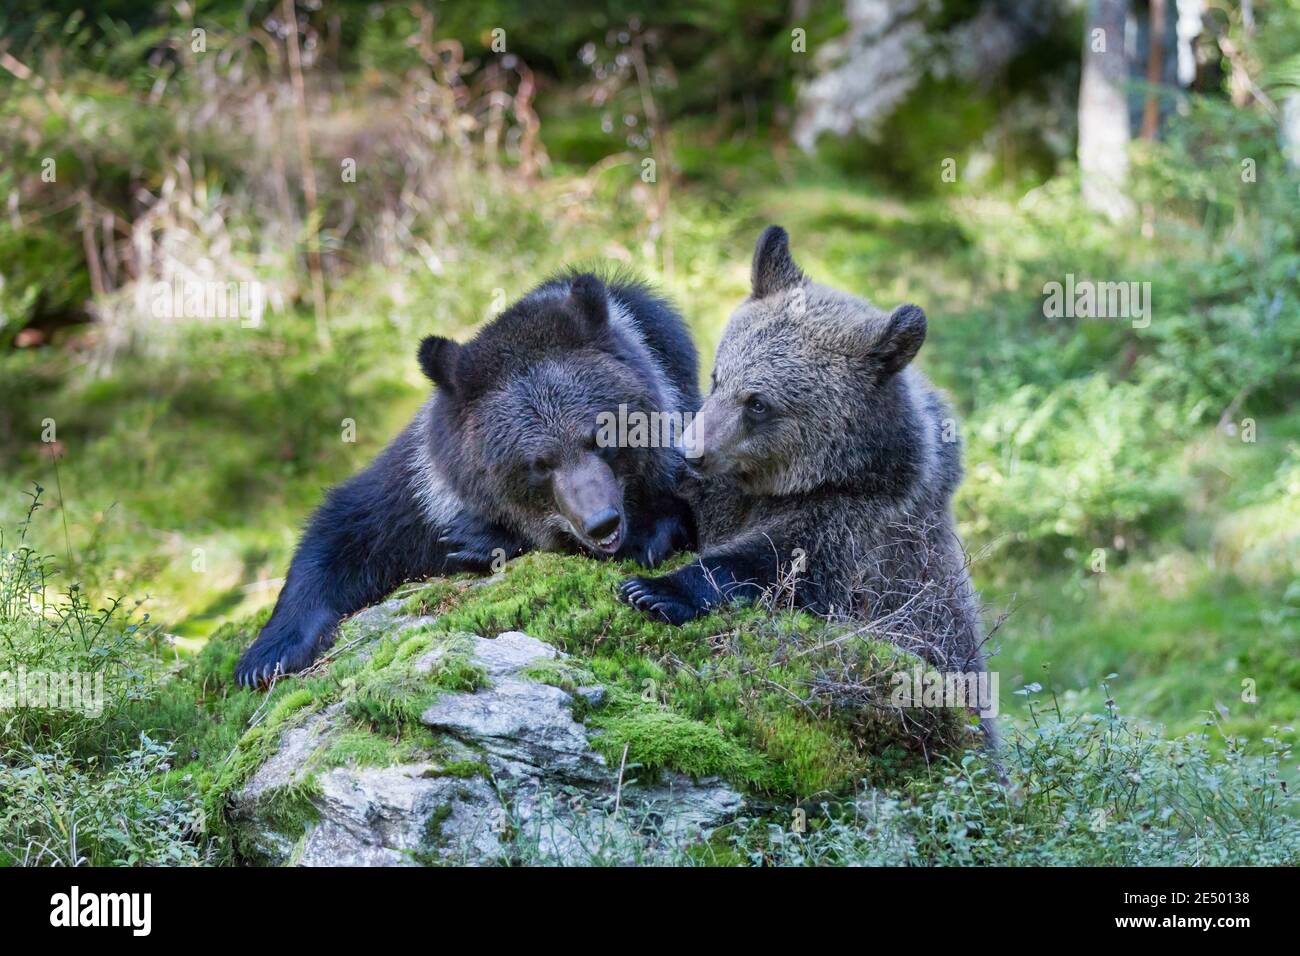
x=1184 y=646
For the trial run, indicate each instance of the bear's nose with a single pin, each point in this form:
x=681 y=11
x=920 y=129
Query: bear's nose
x=602 y=524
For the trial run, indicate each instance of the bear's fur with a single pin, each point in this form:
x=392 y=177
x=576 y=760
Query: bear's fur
x=501 y=460
x=825 y=471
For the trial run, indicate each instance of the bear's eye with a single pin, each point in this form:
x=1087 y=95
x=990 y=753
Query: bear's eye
x=541 y=466
x=756 y=406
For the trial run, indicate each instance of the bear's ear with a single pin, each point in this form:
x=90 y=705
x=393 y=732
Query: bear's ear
x=590 y=301
x=438 y=358
x=902 y=339
x=773 y=268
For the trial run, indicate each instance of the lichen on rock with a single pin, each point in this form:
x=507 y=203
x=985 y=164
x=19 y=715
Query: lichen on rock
x=533 y=718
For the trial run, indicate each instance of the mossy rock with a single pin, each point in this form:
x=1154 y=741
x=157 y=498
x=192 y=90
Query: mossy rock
x=751 y=677
x=537 y=692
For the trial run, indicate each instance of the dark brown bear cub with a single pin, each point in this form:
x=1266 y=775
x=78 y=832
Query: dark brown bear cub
x=828 y=467
x=504 y=458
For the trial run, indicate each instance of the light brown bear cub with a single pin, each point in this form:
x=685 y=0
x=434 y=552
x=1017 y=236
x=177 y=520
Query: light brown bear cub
x=827 y=466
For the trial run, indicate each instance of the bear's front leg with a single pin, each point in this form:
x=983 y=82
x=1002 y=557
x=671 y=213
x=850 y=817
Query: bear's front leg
x=474 y=545
x=368 y=536
x=676 y=598
x=291 y=640
x=740 y=572
x=330 y=577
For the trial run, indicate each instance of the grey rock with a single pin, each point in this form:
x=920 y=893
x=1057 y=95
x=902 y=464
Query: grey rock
x=515 y=717
x=287 y=766
x=394 y=816
x=514 y=778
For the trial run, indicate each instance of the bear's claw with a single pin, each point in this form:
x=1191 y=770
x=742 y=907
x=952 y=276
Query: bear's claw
x=269 y=658
x=256 y=677
x=657 y=597
x=478 y=549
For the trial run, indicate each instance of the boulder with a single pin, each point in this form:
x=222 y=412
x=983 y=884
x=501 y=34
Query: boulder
x=537 y=781
x=533 y=718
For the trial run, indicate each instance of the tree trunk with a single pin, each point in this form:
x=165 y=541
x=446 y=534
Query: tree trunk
x=1289 y=131
x=1103 y=110
x=1155 y=69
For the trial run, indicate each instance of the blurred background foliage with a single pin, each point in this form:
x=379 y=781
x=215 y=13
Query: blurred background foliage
x=1132 y=492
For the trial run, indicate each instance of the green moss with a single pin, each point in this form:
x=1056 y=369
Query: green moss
x=359 y=746
x=295 y=700
x=701 y=699
x=291 y=809
x=389 y=703
x=658 y=739
x=433 y=825
x=464 y=769
x=406 y=675
x=564 y=674
x=458 y=672
x=815 y=758
x=434 y=597
x=570 y=602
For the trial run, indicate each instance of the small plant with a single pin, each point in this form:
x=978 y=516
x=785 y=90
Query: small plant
x=1081 y=789
x=69 y=666
x=59 y=811
x=79 y=783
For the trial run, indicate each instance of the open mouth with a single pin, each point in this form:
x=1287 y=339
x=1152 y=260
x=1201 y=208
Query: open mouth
x=611 y=542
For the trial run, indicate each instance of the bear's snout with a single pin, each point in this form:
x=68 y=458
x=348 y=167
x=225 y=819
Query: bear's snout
x=602 y=525
x=590 y=498
x=711 y=438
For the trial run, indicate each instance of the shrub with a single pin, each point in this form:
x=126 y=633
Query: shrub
x=56 y=810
